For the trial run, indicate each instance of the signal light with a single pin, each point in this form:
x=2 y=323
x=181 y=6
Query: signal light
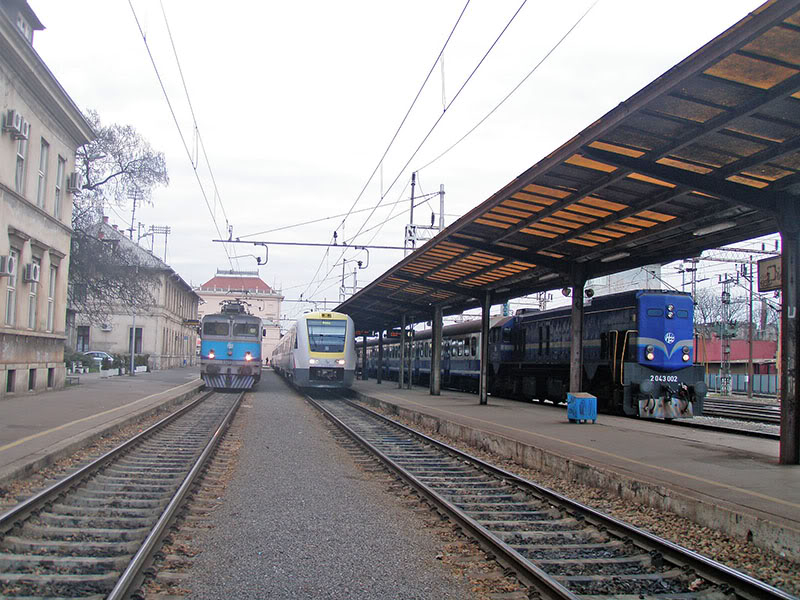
x=685 y=358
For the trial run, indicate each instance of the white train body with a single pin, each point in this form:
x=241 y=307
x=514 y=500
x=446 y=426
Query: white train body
x=318 y=351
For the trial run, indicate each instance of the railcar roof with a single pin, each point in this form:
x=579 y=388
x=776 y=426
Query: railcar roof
x=708 y=154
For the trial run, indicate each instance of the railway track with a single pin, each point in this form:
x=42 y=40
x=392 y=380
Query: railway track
x=92 y=534
x=741 y=409
x=560 y=548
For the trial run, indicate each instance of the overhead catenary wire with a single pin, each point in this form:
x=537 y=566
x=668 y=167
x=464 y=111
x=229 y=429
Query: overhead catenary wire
x=444 y=112
x=513 y=90
x=180 y=132
x=198 y=137
x=394 y=137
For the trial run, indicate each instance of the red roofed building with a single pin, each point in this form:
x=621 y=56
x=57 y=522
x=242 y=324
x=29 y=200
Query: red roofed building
x=247 y=286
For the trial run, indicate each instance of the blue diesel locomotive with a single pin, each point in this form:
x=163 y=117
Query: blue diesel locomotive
x=230 y=349
x=638 y=355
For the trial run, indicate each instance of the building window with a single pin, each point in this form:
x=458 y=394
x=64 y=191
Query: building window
x=51 y=294
x=24 y=28
x=82 y=344
x=33 y=299
x=51 y=377
x=137 y=347
x=11 y=292
x=10 y=383
x=41 y=191
x=19 y=177
x=31 y=379
x=62 y=167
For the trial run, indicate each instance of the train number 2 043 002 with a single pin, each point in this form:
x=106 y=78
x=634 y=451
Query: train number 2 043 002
x=664 y=378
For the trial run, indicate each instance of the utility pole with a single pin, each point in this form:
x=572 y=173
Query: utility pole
x=134 y=195
x=726 y=333
x=410 y=242
x=750 y=335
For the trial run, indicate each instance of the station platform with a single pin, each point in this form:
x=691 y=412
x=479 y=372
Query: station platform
x=720 y=480
x=38 y=429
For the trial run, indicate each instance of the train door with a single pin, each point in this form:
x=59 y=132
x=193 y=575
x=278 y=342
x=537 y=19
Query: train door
x=518 y=341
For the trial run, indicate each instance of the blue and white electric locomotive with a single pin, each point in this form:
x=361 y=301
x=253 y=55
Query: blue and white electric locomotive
x=230 y=349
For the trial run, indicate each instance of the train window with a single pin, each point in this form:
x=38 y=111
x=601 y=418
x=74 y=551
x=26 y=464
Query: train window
x=547 y=348
x=506 y=334
x=246 y=329
x=682 y=314
x=474 y=345
x=655 y=312
x=541 y=341
x=215 y=328
x=325 y=335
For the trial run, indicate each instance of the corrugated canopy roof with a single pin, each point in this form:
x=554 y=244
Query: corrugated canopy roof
x=697 y=159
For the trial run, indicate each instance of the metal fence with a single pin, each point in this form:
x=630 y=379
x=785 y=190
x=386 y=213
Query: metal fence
x=762 y=384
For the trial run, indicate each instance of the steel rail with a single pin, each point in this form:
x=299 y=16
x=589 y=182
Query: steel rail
x=133 y=574
x=745 y=585
x=19 y=513
x=526 y=571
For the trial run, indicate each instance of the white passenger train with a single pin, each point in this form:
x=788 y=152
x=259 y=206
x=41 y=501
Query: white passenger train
x=319 y=351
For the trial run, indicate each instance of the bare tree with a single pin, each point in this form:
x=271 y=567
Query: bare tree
x=116 y=166
x=708 y=311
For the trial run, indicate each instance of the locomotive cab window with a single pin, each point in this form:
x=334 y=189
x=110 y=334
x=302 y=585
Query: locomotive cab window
x=246 y=329
x=326 y=335
x=682 y=314
x=474 y=345
x=215 y=328
x=655 y=312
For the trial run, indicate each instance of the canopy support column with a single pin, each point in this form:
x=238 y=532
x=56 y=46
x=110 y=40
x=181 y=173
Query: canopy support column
x=436 y=352
x=401 y=366
x=364 y=366
x=486 y=305
x=789 y=225
x=379 y=375
x=576 y=330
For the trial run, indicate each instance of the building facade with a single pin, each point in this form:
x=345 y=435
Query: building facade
x=41 y=130
x=247 y=286
x=166 y=331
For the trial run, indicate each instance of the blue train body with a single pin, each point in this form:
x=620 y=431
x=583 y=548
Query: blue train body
x=230 y=348
x=638 y=355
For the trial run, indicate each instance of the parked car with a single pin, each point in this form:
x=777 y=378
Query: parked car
x=98 y=356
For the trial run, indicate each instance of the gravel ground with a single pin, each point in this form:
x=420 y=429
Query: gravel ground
x=300 y=520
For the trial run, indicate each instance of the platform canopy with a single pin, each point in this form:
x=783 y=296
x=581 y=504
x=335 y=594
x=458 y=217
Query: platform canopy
x=708 y=154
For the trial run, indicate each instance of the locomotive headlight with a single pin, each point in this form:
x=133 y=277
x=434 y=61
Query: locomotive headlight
x=248 y=357
x=650 y=353
x=340 y=361
x=686 y=351
x=211 y=354
x=670 y=311
x=312 y=361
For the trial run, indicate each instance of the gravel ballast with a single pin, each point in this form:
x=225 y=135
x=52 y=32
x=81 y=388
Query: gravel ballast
x=299 y=519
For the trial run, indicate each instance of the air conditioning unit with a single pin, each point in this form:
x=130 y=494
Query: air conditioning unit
x=8 y=266
x=13 y=122
x=32 y=272
x=73 y=183
x=24 y=131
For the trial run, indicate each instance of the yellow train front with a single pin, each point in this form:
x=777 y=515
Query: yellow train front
x=318 y=351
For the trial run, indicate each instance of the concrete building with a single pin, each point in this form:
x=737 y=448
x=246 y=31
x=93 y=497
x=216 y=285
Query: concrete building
x=41 y=130
x=262 y=300
x=166 y=330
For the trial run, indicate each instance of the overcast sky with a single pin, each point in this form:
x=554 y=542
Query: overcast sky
x=296 y=102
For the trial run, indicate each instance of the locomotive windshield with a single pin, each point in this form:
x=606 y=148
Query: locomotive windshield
x=215 y=328
x=326 y=335
x=246 y=329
